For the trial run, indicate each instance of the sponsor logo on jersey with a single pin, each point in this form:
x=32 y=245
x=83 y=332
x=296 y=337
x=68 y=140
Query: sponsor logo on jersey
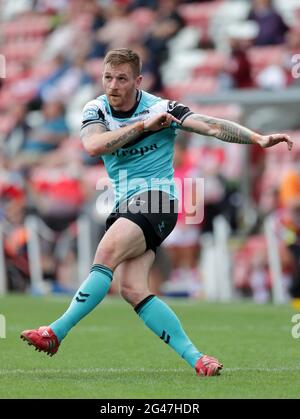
x=144 y=112
x=140 y=151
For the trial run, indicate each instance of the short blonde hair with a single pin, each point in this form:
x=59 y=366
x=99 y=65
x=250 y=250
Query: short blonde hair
x=124 y=56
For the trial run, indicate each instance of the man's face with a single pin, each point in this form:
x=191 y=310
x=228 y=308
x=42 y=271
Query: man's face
x=120 y=86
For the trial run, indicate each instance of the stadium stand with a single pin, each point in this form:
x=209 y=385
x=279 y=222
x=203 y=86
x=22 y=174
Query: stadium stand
x=54 y=51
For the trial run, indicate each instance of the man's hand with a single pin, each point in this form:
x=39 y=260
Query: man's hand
x=270 y=140
x=159 y=121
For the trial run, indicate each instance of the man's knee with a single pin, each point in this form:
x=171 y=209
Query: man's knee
x=133 y=296
x=107 y=254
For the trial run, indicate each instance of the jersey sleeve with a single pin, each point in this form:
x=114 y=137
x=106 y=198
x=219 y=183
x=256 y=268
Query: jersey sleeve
x=178 y=110
x=92 y=114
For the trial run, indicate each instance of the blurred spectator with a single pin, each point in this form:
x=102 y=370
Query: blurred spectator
x=280 y=74
x=45 y=137
x=12 y=203
x=16 y=138
x=259 y=277
x=196 y=1
x=289 y=184
x=167 y=24
x=97 y=12
x=117 y=23
x=182 y=245
x=59 y=68
x=10 y=9
x=26 y=86
x=68 y=82
x=237 y=72
x=291 y=48
x=215 y=185
x=288 y=230
x=150 y=70
x=289 y=218
x=57 y=197
x=272 y=27
x=257 y=164
x=65 y=39
x=272 y=77
x=150 y=4
x=50 y=6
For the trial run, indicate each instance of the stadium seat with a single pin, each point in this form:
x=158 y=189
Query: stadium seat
x=6 y=98
x=26 y=26
x=22 y=49
x=199 y=14
x=6 y=123
x=94 y=68
x=212 y=63
x=142 y=18
x=262 y=57
x=224 y=111
x=200 y=85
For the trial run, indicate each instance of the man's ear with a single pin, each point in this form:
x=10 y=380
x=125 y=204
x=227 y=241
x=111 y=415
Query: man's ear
x=138 y=81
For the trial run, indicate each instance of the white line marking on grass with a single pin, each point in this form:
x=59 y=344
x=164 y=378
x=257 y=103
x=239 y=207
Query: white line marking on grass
x=125 y=370
x=280 y=369
x=87 y=370
x=203 y=328
x=80 y=329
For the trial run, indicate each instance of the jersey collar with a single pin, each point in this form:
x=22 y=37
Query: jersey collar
x=127 y=114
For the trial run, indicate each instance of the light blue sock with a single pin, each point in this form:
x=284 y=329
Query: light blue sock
x=166 y=325
x=90 y=293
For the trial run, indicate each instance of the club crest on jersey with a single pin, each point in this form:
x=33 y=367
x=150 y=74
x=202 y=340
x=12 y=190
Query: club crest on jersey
x=91 y=113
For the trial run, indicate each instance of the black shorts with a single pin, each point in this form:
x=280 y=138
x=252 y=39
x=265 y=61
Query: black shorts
x=153 y=211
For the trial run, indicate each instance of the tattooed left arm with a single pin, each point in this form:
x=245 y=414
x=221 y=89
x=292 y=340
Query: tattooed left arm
x=231 y=132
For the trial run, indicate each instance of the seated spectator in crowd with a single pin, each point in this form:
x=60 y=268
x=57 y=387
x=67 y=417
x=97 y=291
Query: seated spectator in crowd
x=150 y=70
x=12 y=203
x=182 y=245
x=289 y=219
x=68 y=82
x=237 y=72
x=272 y=27
x=118 y=22
x=50 y=6
x=150 y=4
x=45 y=137
x=289 y=185
x=288 y=230
x=16 y=138
x=210 y=163
x=57 y=197
x=59 y=67
x=167 y=24
x=291 y=48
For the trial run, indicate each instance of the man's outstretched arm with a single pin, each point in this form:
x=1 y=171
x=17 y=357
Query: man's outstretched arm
x=231 y=132
x=97 y=140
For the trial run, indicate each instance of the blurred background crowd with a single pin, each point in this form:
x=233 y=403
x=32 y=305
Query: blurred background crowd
x=233 y=59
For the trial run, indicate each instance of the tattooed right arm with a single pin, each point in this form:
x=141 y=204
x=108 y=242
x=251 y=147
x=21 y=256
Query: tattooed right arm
x=97 y=140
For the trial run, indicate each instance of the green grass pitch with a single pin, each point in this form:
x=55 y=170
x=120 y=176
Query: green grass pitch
x=111 y=354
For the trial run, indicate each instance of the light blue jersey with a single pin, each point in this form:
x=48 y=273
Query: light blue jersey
x=147 y=162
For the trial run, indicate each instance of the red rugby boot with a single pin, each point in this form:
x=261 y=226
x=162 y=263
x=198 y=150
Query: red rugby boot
x=208 y=366
x=42 y=338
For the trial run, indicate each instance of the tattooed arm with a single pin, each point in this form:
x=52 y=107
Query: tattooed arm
x=231 y=132
x=97 y=140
